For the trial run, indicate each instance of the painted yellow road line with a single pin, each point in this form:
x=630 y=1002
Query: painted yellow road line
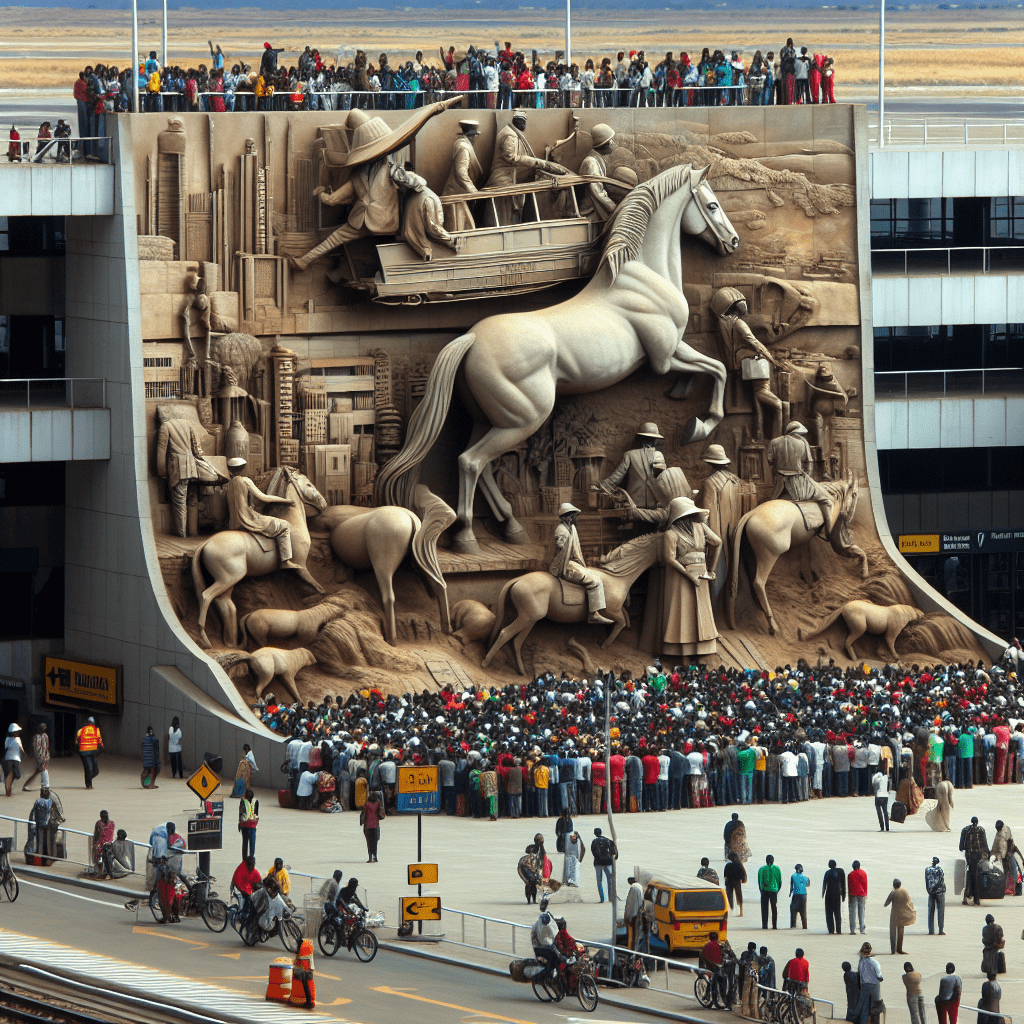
x=137 y=930
x=451 y=1006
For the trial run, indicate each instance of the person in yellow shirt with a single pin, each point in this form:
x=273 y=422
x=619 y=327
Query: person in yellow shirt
x=540 y=780
x=279 y=873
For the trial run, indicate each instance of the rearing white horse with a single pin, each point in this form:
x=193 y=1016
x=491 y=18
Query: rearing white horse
x=515 y=365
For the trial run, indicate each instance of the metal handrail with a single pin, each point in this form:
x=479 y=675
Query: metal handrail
x=24 y=145
x=70 y=381
x=88 y=836
x=985 y=250
x=913 y=130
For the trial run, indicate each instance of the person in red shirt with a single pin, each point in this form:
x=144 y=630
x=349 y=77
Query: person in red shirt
x=564 y=942
x=711 y=960
x=246 y=880
x=797 y=973
x=649 y=763
x=857 y=889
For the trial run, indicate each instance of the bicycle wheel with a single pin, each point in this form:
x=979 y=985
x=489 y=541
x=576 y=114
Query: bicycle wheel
x=291 y=935
x=250 y=933
x=154 y=906
x=704 y=991
x=586 y=992
x=215 y=915
x=327 y=938
x=801 y=1009
x=541 y=990
x=365 y=945
x=10 y=883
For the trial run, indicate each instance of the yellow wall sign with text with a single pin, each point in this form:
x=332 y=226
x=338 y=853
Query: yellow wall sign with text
x=77 y=683
x=919 y=543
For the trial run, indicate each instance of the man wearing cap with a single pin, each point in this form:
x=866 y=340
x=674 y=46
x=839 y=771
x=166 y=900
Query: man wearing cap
x=639 y=467
x=462 y=178
x=13 y=751
x=568 y=563
x=242 y=516
x=268 y=62
x=180 y=460
x=513 y=163
x=747 y=354
x=790 y=458
x=596 y=203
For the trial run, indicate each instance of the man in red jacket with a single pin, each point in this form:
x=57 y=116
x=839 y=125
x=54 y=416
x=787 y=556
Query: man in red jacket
x=857 y=888
x=650 y=768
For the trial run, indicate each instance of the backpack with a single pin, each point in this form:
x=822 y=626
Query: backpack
x=604 y=850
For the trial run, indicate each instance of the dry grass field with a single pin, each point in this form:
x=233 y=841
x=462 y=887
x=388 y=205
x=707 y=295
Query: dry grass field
x=922 y=47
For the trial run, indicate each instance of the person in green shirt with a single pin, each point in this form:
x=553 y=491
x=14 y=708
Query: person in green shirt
x=747 y=757
x=965 y=760
x=769 y=881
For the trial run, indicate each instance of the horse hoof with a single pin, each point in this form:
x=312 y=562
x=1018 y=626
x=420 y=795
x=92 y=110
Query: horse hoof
x=516 y=533
x=466 y=545
x=204 y=640
x=695 y=430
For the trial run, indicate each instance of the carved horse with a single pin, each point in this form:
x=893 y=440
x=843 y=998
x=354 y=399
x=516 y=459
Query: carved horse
x=231 y=555
x=777 y=526
x=539 y=595
x=511 y=368
x=380 y=538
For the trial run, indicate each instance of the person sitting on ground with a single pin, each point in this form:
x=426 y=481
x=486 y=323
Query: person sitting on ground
x=122 y=855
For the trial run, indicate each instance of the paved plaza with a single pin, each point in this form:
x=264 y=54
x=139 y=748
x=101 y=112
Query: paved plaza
x=478 y=859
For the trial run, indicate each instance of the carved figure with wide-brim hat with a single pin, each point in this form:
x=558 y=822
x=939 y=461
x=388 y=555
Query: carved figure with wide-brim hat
x=639 y=468
x=722 y=495
x=569 y=564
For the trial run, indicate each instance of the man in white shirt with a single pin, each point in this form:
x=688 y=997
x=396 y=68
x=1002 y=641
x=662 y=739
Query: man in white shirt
x=633 y=912
x=880 y=785
x=819 y=767
x=788 y=769
x=306 y=788
x=664 y=762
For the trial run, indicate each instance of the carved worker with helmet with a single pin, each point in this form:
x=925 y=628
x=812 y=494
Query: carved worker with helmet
x=596 y=203
x=242 y=516
x=790 y=458
x=745 y=353
x=640 y=467
x=568 y=563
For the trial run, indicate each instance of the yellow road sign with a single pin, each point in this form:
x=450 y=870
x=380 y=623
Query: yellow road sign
x=423 y=874
x=203 y=782
x=417 y=780
x=421 y=908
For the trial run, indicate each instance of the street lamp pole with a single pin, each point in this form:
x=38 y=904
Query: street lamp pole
x=568 y=33
x=135 y=56
x=881 y=73
x=163 y=52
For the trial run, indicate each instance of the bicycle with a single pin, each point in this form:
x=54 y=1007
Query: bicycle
x=8 y=879
x=785 y=1007
x=249 y=931
x=197 y=900
x=708 y=991
x=350 y=929
x=569 y=977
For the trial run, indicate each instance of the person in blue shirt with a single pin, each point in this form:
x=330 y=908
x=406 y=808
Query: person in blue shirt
x=798 y=883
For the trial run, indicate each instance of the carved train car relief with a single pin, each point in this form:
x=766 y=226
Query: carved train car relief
x=444 y=395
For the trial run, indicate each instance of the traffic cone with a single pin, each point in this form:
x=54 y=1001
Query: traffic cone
x=279 y=984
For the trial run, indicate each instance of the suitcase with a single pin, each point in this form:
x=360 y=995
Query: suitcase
x=959 y=876
x=991 y=881
x=286 y=798
x=898 y=812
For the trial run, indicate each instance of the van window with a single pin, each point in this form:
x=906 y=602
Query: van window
x=700 y=900
x=663 y=897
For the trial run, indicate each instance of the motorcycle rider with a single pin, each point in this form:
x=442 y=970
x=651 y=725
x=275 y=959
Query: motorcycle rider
x=543 y=935
x=268 y=903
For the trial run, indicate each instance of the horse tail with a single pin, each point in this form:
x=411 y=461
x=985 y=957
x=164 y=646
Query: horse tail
x=244 y=636
x=734 y=569
x=499 y=613
x=397 y=479
x=822 y=626
x=435 y=516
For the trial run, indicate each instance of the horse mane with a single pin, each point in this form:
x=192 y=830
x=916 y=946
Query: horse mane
x=634 y=214
x=274 y=482
x=630 y=557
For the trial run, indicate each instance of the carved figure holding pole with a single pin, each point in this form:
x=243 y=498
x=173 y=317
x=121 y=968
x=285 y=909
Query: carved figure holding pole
x=597 y=204
x=640 y=468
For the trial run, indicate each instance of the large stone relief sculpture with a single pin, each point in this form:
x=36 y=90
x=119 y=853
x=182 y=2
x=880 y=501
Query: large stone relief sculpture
x=594 y=385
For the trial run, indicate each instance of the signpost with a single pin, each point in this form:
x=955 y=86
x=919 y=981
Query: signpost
x=205 y=832
x=421 y=908
x=418 y=794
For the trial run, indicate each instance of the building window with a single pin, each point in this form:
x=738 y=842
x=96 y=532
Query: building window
x=948 y=470
x=32 y=236
x=1006 y=220
x=905 y=223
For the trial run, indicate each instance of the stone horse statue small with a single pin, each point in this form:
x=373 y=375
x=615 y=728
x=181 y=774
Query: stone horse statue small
x=511 y=368
x=776 y=526
x=231 y=555
x=539 y=595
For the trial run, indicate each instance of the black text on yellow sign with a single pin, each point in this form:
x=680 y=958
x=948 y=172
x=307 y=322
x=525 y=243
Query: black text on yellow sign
x=79 y=684
x=421 y=908
x=423 y=874
x=203 y=782
x=417 y=780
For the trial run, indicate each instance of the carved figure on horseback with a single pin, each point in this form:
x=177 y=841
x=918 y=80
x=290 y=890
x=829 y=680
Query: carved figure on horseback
x=776 y=526
x=231 y=555
x=540 y=595
x=511 y=368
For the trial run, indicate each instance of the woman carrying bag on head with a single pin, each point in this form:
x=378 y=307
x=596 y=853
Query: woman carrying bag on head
x=370 y=818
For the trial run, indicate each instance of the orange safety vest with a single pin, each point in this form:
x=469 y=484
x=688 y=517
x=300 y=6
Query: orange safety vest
x=89 y=739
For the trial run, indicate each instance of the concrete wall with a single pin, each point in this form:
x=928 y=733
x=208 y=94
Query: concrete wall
x=117 y=610
x=925 y=173
x=32 y=285
x=949 y=423
x=58 y=190
x=54 y=435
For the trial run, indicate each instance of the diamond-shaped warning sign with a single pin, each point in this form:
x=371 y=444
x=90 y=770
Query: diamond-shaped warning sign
x=203 y=782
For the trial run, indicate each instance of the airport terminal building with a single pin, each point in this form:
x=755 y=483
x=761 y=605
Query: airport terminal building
x=94 y=584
